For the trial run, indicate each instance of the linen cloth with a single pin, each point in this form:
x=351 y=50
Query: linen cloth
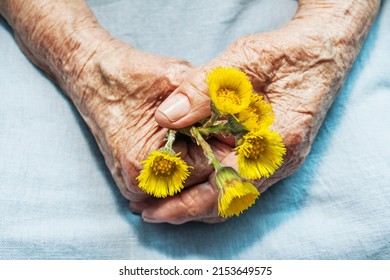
x=59 y=201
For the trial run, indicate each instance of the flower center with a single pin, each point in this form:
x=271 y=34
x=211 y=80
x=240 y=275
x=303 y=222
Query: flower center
x=229 y=96
x=162 y=166
x=256 y=148
x=255 y=111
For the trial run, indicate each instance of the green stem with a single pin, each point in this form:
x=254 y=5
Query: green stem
x=213 y=118
x=185 y=131
x=170 y=138
x=206 y=148
x=206 y=131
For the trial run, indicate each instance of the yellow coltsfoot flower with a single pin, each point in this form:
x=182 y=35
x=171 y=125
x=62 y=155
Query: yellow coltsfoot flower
x=235 y=194
x=163 y=174
x=260 y=154
x=257 y=115
x=230 y=90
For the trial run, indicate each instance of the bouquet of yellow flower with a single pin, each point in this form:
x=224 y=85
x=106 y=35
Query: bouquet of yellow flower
x=236 y=110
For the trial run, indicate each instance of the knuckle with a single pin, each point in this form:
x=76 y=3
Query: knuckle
x=189 y=200
x=175 y=73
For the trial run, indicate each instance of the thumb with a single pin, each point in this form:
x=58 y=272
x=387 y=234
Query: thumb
x=189 y=103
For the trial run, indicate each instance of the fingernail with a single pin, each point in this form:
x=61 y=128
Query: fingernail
x=150 y=220
x=176 y=107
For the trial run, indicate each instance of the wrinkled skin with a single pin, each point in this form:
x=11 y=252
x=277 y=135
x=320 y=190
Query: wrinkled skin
x=118 y=90
x=298 y=69
x=118 y=105
x=298 y=75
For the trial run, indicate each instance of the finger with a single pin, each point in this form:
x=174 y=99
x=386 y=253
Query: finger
x=138 y=207
x=193 y=155
x=227 y=139
x=193 y=204
x=188 y=104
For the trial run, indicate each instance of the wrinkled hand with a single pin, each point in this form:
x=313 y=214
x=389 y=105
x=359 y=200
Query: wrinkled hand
x=297 y=72
x=117 y=89
x=298 y=68
x=123 y=90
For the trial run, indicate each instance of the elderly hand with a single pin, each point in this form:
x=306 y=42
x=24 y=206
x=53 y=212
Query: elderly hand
x=299 y=69
x=115 y=87
x=118 y=102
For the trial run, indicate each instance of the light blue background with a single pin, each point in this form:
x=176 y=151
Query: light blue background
x=58 y=200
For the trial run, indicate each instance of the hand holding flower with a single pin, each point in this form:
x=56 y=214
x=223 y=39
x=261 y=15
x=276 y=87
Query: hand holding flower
x=298 y=69
x=237 y=111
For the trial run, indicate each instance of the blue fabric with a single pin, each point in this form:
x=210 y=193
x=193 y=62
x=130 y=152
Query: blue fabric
x=58 y=200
